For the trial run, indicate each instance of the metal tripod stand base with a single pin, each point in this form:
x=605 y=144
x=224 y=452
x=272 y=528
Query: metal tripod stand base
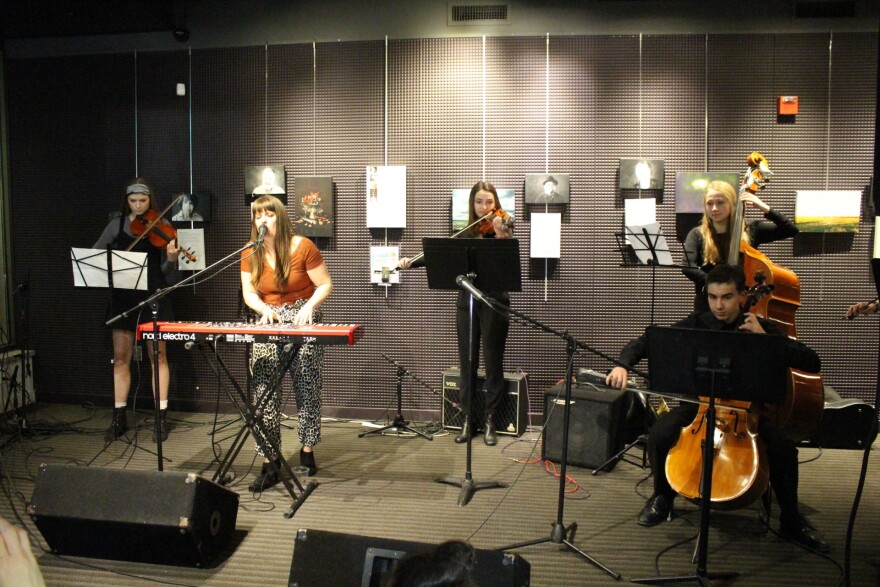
x=702 y=579
x=469 y=487
x=642 y=439
x=398 y=424
x=559 y=534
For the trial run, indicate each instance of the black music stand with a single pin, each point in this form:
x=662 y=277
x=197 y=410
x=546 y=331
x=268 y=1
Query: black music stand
x=649 y=246
x=121 y=270
x=651 y=249
x=491 y=264
x=734 y=365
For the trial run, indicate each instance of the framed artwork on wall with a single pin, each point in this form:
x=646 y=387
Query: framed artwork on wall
x=547 y=188
x=386 y=196
x=828 y=211
x=314 y=212
x=641 y=174
x=192 y=208
x=265 y=179
x=690 y=186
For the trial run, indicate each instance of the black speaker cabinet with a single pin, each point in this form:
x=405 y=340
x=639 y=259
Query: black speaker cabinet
x=331 y=559
x=596 y=425
x=171 y=518
x=512 y=417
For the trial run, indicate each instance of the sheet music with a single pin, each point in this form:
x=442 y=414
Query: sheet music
x=90 y=268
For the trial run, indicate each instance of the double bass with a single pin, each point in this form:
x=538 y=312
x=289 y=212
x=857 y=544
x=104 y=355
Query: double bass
x=801 y=413
x=741 y=473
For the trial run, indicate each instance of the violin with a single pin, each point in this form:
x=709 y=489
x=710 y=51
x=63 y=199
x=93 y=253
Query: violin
x=147 y=226
x=486 y=225
x=483 y=226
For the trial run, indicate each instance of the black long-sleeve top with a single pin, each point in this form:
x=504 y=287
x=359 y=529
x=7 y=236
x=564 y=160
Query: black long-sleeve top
x=777 y=226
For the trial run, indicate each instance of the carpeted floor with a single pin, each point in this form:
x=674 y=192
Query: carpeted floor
x=384 y=487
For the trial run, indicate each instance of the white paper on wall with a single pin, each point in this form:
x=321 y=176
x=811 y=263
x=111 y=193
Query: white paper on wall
x=546 y=237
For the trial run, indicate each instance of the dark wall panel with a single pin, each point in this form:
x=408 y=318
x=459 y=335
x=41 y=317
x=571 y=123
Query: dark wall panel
x=72 y=145
x=321 y=110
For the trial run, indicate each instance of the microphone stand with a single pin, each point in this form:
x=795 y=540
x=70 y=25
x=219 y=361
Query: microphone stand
x=467 y=484
x=399 y=422
x=559 y=533
x=153 y=302
x=24 y=357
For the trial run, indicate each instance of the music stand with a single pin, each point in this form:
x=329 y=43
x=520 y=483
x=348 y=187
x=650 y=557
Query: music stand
x=490 y=264
x=109 y=268
x=118 y=270
x=651 y=249
x=735 y=365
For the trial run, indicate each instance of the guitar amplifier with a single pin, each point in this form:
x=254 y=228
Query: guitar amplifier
x=596 y=424
x=512 y=417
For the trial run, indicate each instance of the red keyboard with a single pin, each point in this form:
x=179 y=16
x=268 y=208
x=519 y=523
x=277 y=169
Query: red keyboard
x=324 y=334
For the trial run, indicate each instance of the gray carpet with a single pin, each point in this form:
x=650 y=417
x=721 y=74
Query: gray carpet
x=384 y=486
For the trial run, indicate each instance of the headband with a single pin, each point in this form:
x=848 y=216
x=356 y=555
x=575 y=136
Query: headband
x=137 y=188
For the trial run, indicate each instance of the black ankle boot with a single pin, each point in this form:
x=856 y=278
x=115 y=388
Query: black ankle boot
x=118 y=426
x=490 y=438
x=307 y=459
x=268 y=476
x=465 y=432
x=163 y=426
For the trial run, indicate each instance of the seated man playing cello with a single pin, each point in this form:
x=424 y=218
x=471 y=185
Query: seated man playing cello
x=726 y=290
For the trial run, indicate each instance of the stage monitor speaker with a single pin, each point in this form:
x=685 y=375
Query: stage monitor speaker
x=171 y=518
x=596 y=426
x=512 y=417
x=328 y=559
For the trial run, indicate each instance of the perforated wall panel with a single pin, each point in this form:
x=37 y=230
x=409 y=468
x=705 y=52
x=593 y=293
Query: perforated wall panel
x=84 y=125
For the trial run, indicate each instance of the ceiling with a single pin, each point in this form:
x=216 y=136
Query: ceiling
x=32 y=19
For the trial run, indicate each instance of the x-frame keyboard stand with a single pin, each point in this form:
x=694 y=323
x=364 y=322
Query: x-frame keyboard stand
x=252 y=417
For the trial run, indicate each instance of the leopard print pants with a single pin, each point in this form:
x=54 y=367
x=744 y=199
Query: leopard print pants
x=306 y=368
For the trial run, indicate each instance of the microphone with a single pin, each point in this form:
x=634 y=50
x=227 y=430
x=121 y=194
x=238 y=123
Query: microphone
x=261 y=234
x=464 y=283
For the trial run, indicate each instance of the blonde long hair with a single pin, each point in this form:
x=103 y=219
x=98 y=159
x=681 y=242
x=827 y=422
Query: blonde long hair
x=711 y=254
x=284 y=234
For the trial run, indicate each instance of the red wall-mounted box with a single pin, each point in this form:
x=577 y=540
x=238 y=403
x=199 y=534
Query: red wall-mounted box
x=788 y=105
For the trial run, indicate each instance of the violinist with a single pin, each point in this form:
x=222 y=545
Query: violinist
x=707 y=245
x=489 y=327
x=139 y=201
x=726 y=289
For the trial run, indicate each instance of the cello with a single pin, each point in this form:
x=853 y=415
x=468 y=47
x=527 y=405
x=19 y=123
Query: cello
x=741 y=471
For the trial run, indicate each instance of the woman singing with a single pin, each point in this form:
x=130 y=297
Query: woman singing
x=161 y=270
x=707 y=244
x=284 y=279
x=489 y=327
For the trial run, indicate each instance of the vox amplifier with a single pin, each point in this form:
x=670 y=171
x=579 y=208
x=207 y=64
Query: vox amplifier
x=512 y=417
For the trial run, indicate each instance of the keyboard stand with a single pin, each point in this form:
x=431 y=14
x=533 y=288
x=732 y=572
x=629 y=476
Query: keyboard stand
x=251 y=415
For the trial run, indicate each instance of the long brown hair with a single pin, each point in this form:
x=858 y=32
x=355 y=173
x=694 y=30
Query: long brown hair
x=711 y=254
x=472 y=216
x=283 y=238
